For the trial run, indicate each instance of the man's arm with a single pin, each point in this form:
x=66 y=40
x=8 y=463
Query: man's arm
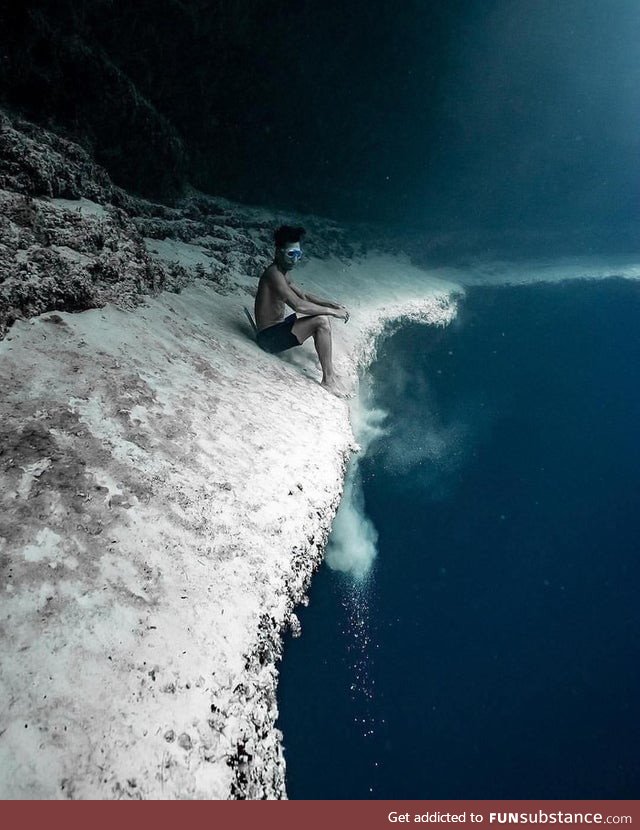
x=305 y=295
x=298 y=301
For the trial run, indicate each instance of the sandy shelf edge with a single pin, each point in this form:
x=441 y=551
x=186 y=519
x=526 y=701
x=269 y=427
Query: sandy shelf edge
x=167 y=494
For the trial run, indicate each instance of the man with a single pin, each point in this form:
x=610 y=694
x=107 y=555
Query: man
x=275 y=290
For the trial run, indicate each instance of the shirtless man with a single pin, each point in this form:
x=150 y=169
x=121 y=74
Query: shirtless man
x=277 y=333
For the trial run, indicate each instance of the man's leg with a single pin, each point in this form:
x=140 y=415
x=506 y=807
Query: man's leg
x=318 y=327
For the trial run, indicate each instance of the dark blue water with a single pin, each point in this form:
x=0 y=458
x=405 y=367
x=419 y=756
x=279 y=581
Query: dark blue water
x=494 y=651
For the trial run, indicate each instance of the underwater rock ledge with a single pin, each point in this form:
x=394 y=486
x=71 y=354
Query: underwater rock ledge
x=168 y=488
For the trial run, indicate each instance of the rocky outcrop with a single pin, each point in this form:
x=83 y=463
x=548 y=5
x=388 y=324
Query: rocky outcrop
x=71 y=240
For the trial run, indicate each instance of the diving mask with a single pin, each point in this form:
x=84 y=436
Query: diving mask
x=293 y=254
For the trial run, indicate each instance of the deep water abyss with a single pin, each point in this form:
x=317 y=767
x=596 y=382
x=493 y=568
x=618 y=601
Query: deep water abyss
x=493 y=650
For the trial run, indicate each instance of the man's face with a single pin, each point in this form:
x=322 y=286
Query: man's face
x=289 y=255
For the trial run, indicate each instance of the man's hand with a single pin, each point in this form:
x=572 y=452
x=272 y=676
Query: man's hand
x=342 y=314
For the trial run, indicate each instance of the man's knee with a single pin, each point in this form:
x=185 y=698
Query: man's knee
x=323 y=324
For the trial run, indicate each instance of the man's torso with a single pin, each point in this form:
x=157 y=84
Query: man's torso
x=269 y=308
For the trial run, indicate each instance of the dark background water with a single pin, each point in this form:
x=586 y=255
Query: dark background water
x=494 y=651
x=447 y=114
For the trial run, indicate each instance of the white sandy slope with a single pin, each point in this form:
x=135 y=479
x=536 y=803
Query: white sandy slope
x=167 y=492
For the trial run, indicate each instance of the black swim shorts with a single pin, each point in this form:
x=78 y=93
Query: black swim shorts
x=278 y=338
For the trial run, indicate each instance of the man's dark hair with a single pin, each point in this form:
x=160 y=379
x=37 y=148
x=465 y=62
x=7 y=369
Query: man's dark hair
x=286 y=234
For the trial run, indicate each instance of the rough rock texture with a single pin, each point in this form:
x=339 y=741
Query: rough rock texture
x=55 y=71
x=142 y=606
x=56 y=253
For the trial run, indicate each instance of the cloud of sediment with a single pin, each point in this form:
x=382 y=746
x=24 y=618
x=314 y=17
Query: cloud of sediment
x=353 y=545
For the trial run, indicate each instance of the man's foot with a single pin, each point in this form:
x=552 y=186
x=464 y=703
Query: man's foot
x=335 y=387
